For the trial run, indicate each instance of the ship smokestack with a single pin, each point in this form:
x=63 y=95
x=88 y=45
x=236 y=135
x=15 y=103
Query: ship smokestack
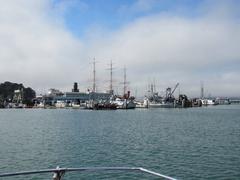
x=128 y=94
x=75 y=87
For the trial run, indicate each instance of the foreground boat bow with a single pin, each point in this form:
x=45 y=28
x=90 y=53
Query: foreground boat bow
x=59 y=172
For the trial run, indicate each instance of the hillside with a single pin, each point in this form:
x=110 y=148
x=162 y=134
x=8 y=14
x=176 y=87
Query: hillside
x=7 y=92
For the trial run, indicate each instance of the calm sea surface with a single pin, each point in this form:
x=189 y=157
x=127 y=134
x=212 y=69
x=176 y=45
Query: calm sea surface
x=194 y=143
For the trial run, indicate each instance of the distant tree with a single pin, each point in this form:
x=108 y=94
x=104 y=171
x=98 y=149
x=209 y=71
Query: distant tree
x=28 y=95
x=7 y=92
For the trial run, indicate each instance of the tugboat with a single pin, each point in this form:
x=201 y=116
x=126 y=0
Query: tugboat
x=184 y=102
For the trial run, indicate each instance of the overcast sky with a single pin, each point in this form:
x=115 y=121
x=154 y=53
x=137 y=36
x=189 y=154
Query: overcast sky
x=51 y=44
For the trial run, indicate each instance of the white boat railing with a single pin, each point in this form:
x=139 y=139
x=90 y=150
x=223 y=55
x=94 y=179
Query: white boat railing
x=59 y=172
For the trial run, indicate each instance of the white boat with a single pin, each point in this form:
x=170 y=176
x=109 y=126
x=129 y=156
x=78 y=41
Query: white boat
x=75 y=106
x=206 y=102
x=124 y=103
x=144 y=104
x=223 y=101
x=40 y=105
x=60 y=104
x=162 y=104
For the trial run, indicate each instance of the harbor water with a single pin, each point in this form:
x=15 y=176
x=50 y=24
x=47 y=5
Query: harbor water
x=193 y=143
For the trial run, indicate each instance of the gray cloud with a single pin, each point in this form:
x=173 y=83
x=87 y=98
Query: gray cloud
x=35 y=49
x=179 y=49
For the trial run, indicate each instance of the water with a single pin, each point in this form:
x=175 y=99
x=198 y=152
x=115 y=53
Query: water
x=194 y=143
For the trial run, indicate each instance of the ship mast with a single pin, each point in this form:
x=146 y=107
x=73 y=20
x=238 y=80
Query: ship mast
x=125 y=82
x=94 y=75
x=111 y=78
x=202 y=90
x=154 y=86
x=111 y=74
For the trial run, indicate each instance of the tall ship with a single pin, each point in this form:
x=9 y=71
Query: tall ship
x=126 y=101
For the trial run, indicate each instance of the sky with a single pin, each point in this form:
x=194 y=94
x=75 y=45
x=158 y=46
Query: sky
x=52 y=43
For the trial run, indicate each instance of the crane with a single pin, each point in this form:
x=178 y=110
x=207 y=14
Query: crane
x=174 y=88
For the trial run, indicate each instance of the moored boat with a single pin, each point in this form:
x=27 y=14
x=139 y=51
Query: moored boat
x=144 y=104
x=206 y=102
x=124 y=103
x=163 y=104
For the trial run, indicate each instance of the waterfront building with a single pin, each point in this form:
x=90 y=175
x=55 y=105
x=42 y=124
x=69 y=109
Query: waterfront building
x=82 y=97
